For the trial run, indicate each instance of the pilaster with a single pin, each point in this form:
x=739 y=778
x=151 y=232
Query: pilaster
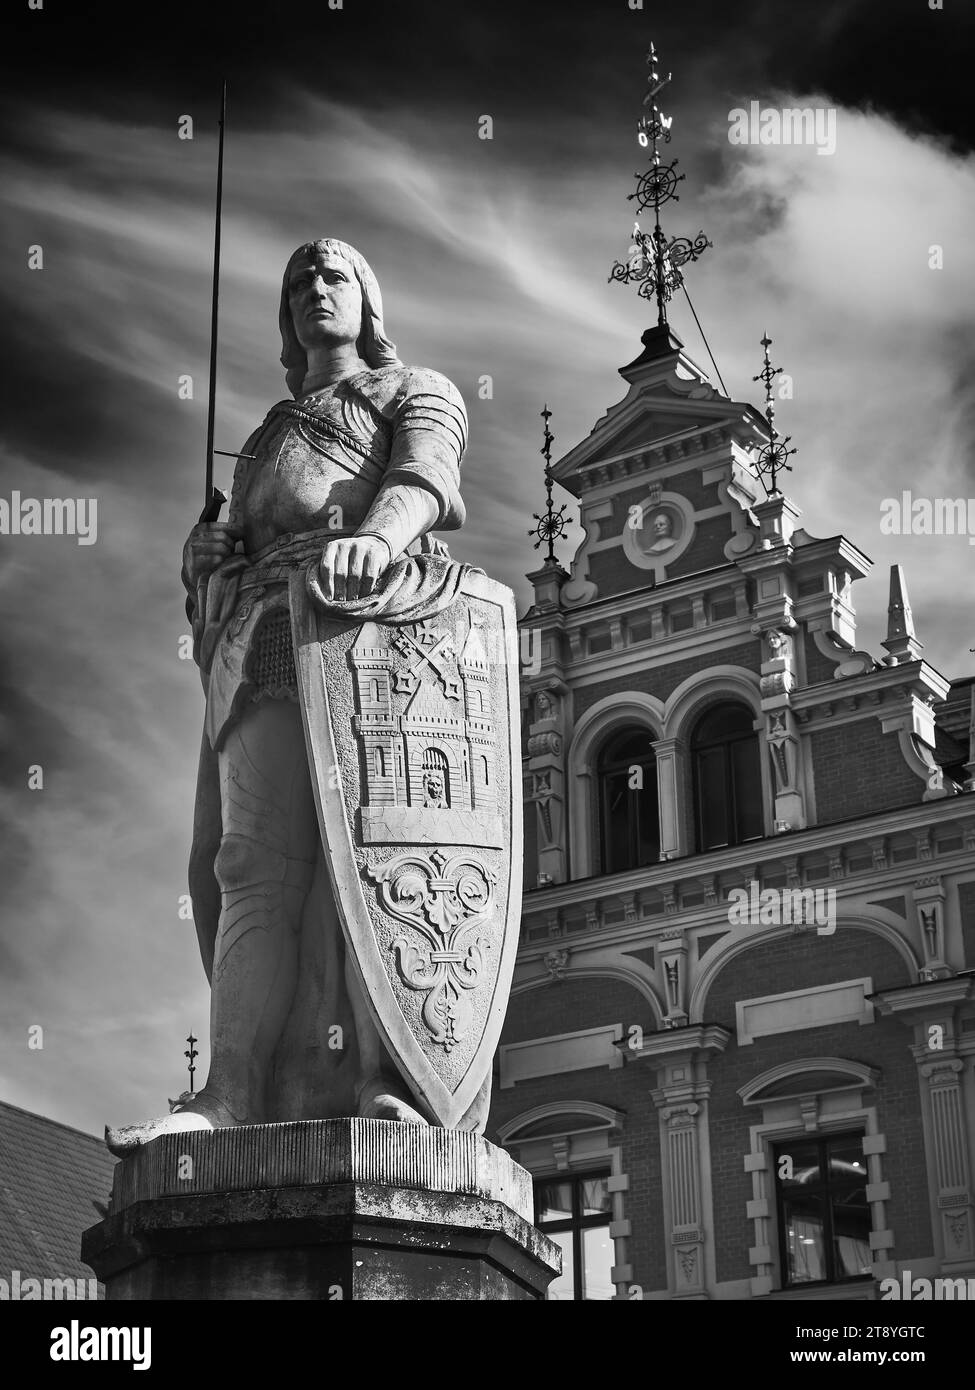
x=680 y=1059
x=932 y=1012
x=672 y=756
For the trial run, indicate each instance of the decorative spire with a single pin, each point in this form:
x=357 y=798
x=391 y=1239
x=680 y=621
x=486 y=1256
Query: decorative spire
x=192 y=1054
x=775 y=455
x=653 y=260
x=901 y=642
x=551 y=525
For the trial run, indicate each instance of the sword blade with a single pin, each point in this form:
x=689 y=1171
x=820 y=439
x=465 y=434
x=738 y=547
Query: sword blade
x=210 y=499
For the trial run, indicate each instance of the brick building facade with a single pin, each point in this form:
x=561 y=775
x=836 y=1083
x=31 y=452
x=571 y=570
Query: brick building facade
x=738 y=1058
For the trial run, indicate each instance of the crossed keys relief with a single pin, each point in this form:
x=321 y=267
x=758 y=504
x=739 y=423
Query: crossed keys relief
x=432 y=651
x=446 y=903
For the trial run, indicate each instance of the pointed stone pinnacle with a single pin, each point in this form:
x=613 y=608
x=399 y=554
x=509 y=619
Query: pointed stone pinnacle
x=969 y=783
x=901 y=642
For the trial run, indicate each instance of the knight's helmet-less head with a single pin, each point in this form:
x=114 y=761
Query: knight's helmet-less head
x=372 y=344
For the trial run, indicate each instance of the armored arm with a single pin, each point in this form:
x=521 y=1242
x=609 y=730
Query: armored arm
x=420 y=491
x=399 y=515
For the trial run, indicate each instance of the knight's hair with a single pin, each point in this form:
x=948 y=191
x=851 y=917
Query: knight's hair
x=372 y=344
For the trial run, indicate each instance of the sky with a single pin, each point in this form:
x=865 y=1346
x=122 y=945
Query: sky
x=493 y=258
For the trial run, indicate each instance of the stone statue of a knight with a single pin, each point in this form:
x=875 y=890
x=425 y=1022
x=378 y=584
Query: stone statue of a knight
x=355 y=870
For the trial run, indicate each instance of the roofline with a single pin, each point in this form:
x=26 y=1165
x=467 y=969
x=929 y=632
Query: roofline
x=46 y=1119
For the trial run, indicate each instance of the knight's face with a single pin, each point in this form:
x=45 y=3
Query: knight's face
x=661 y=525
x=325 y=300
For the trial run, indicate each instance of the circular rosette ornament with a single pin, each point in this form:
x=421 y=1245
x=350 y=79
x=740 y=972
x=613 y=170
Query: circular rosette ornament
x=773 y=459
x=658 y=185
x=551 y=525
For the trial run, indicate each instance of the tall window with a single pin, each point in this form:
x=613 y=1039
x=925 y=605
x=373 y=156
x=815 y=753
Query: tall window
x=575 y=1213
x=629 y=821
x=727 y=778
x=824 y=1220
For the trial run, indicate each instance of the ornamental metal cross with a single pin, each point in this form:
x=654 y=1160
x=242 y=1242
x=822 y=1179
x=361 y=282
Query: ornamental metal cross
x=653 y=261
x=774 y=456
x=551 y=524
x=192 y=1054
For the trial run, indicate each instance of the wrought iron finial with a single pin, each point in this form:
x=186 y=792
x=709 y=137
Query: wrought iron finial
x=551 y=524
x=653 y=261
x=192 y=1054
x=774 y=456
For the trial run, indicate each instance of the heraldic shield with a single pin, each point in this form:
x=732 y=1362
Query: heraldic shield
x=413 y=741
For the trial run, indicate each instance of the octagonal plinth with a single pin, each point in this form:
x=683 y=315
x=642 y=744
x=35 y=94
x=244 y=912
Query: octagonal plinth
x=321 y=1209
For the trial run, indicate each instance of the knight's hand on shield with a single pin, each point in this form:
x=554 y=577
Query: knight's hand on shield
x=350 y=569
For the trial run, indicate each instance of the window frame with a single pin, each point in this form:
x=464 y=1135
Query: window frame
x=576 y=1223
x=822 y=1141
x=607 y=768
x=725 y=744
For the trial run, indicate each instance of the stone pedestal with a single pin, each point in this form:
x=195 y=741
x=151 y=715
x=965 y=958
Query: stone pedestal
x=321 y=1209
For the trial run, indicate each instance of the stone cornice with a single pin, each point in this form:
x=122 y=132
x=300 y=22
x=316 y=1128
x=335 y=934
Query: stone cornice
x=665 y=1046
x=631 y=659
x=656 y=388
x=860 y=839
x=827 y=549
x=632 y=601
x=870 y=692
x=916 y=1001
x=697 y=447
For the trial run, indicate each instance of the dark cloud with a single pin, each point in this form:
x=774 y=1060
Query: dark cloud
x=522 y=54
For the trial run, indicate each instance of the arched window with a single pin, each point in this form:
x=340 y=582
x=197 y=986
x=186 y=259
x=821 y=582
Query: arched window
x=629 y=820
x=727 y=778
x=435 y=778
x=571 y=1158
x=434 y=760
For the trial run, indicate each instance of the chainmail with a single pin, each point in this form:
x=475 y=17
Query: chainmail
x=271 y=661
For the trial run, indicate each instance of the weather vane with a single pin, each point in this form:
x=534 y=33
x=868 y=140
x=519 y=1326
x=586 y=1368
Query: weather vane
x=653 y=260
x=192 y=1054
x=773 y=456
x=552 y=524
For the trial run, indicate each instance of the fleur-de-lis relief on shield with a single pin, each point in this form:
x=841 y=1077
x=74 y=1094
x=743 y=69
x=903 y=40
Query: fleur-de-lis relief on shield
x=447 y=903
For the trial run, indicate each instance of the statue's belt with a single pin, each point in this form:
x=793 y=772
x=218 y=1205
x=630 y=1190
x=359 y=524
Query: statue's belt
x=273 y=564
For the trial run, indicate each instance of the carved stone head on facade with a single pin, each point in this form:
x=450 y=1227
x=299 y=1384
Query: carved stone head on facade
x=779 y=645
x=662 y=527
x=545 y=705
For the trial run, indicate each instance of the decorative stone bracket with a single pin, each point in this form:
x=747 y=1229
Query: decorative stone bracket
x=929 y=903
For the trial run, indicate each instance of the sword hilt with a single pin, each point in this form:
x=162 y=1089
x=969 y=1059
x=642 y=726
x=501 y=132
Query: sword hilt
x=211 y=512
